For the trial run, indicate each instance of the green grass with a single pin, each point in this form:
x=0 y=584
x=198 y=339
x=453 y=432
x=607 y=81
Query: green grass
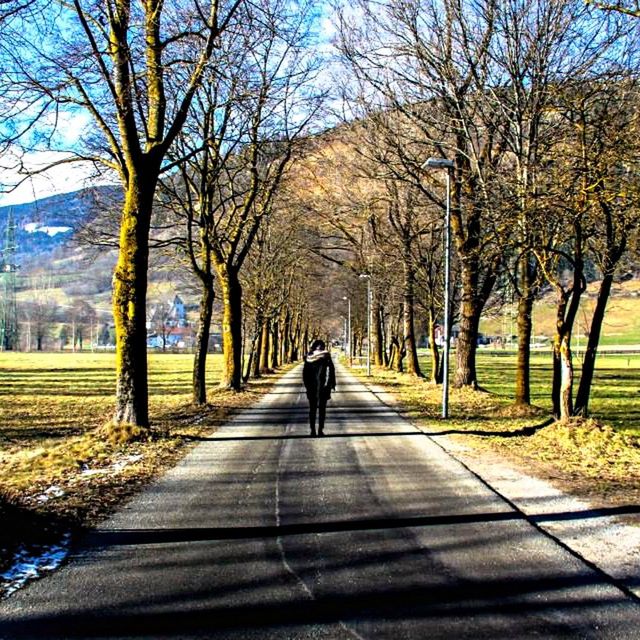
x=63 y=393
x=621 y=323
x=615 y=394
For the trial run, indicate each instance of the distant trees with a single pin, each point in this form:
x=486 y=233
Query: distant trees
x=39 y=314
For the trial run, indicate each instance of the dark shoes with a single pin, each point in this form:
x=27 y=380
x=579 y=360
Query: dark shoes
x=315 y=435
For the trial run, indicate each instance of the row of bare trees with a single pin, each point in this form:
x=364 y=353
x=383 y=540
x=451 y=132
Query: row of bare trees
x=43 y=322
x=534 y=102
x=197 y=105
x=204 y=112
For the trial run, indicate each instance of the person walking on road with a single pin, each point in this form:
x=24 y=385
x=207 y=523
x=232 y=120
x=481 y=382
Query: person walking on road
x=319 y=377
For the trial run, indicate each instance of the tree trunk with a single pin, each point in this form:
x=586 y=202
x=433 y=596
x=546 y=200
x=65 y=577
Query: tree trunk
x=377 y=339
x=258 y=348
x=589 y=363
x=525 y=323
x=202 y=343
x=566 y=385
x=275 y=345
x=433 y=347
x=409 y=340
x=265 y=344
x=466 y=375
x=286 y=338
x=568 y=304
x=305 y=339
x=231 y=327
x=250 y=367
x=395 y=356
x=129 y=305
x=294 y=344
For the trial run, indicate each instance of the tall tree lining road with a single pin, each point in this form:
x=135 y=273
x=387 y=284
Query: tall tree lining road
x=370 y=532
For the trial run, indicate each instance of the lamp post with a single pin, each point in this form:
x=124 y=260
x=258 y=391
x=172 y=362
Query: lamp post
x=368 y=278
x=348 y=342
x=443 y=163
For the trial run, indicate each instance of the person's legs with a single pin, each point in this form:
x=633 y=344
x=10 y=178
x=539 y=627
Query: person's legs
x=323 y=412
x=313 y=405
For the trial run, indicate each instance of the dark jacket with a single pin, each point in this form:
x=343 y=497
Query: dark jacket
x=319 y=374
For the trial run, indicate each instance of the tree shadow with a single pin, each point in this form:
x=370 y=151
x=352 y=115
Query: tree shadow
x=517 y=433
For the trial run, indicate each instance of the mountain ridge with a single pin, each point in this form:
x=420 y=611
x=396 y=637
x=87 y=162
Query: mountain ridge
x=46 y=224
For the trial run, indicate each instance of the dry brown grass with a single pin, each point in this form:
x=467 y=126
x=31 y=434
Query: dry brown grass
x=60 y=469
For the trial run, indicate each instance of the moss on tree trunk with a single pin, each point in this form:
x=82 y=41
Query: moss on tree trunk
x=202 y=343
x=231 y=289
x=129 y=306
x=566 y=378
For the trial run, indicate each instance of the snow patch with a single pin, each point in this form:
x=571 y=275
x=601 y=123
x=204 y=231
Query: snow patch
x=52 y=492
x=29 y=565
x=116 y=467
x=33 y=227
x=126 y=461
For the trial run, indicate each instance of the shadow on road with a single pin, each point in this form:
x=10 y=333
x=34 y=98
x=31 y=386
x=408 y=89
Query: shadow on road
x=511 y=608
x=162 y=536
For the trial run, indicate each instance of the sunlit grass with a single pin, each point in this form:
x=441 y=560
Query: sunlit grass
x=615 y=394
x=55 y=394
x=58 y=471
x=52 y=406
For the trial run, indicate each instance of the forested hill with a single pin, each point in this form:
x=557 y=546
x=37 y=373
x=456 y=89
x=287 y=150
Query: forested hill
x=45 y=224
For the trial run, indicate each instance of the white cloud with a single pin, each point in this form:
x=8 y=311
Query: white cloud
x=62 y=178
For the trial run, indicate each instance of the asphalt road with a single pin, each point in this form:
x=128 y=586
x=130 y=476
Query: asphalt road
x=369 y=532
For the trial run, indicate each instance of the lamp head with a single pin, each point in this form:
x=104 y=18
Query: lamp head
x=439 y=163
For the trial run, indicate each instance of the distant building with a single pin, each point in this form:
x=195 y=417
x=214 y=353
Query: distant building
x=178 y=312
x=172 y=338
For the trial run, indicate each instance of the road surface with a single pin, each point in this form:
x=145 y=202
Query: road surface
x=369 y=532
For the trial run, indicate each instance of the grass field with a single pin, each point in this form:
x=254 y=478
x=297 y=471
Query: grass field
x=615 y=395
x=58 y=394
x=621 y=324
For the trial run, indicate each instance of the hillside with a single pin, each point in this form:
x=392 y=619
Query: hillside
x=621 y=325
x=48 y=224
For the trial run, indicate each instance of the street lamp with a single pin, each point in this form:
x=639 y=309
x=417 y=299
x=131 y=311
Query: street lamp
x=348 y=342
x=368 y=278
x=443 y=163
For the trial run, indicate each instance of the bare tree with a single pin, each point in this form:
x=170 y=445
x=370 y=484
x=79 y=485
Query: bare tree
x=243 y=133
x=543 y=45
x=423 y=67
x=605 y=118
x=134 y=68
x=40 y=312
